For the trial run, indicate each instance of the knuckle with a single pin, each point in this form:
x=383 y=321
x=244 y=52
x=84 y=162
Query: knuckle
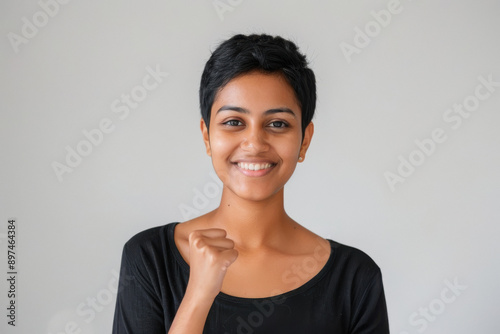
x=196 y=240
x=199 y=243
x=193 y=236
x=194 y=233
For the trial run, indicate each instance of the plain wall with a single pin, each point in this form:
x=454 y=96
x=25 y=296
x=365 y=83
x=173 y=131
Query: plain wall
x=395 y=168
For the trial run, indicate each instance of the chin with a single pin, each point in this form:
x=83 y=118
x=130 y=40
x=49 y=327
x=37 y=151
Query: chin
x=255 y=195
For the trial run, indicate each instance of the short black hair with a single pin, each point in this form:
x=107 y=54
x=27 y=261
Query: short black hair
x=241 y=54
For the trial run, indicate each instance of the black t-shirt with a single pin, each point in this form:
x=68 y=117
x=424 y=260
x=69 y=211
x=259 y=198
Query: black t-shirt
x=346 y=296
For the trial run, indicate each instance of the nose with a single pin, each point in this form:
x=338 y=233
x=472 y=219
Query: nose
x=255 y=140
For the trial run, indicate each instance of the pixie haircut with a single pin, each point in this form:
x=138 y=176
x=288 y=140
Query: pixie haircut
x=269 y=54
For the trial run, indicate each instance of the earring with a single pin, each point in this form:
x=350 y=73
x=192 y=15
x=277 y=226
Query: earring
x=301 y=158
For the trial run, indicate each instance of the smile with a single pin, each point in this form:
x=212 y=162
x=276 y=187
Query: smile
x=254 y=166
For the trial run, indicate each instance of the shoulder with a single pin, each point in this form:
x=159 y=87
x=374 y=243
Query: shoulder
x=352 y=254
x=360 y=280
x=354 y=264
x=149 y=242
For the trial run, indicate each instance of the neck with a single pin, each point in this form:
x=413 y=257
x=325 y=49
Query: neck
x=252 y=224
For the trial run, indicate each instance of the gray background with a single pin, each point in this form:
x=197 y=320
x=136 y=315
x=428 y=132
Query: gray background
x=438 y=227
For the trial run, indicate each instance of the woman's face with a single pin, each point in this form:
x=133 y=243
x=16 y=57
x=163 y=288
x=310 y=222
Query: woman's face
x=255 y=137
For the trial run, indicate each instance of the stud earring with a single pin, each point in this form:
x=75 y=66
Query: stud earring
x=301 y=158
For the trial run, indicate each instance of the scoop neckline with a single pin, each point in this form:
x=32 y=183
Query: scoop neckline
x=222 y=295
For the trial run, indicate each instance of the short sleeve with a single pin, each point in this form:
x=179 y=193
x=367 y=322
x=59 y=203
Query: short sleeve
x=370 y=316
x=138 y=308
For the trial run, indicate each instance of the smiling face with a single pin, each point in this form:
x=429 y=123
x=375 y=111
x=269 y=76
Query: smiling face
x=255 y=137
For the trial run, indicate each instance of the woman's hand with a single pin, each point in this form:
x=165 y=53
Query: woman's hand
x=210 y=255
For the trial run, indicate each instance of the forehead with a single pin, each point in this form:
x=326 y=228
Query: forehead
x=257 y=91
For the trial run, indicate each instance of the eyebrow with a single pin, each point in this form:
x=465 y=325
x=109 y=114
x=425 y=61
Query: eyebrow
x=267 y=112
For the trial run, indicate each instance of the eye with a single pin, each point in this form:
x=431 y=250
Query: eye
x=233 y=122
x=278 y=124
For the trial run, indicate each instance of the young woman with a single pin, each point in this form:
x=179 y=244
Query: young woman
x=247 y=267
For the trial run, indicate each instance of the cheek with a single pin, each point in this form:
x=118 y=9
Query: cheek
x=291 y=157
x=290 y=149
x=220 y=146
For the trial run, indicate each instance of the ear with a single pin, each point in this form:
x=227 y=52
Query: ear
x=206 y=139
x=306 y=141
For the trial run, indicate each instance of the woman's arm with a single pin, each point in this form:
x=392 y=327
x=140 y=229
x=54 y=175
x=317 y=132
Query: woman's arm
x=210 y=254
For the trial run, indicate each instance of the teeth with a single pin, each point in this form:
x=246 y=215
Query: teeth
x=252 y=166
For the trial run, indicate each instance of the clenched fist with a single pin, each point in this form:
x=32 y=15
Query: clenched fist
x=210 y=254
